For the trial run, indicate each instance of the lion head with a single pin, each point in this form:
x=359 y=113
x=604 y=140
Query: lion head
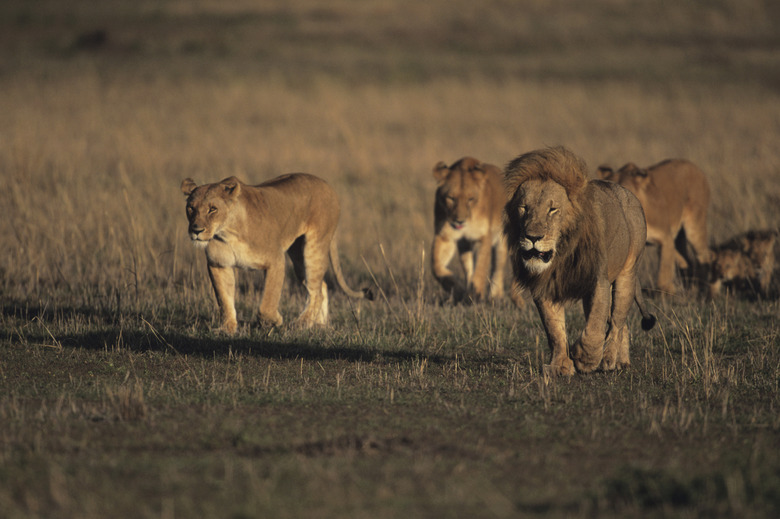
x=731 y=264
x=460 y=188
x=746 y=258
x=629 y=176
x=209 y=207
x=545 y=215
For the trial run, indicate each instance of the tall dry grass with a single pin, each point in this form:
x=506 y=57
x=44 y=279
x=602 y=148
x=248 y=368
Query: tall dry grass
x=92 y=166
x=112 y=388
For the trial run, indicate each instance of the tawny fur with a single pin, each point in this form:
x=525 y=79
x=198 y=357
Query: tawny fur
x=675 y=196
x=571 y=239
x=468 y=212
x=254 y=226
x=747 y=260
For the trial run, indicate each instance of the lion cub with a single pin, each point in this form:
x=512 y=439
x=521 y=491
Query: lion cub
x=468 y=220
x=746 y=259
x=675 y=196
x=253 y=226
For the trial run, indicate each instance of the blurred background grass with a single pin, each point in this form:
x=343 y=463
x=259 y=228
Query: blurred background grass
x=106 y=106
x=115 y=395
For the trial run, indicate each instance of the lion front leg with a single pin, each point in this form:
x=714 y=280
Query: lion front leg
x=272 y=293
x=589 y=348
x=443 y=251
x=479 y=282
x=223 y=281
x=554 y=321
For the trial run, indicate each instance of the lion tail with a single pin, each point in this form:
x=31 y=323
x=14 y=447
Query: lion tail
x=335 y=264
x=648 y=319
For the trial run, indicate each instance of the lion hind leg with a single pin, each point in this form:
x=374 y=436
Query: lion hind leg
x=616 y=348
x=695 y=226
x=623 y=358
x=315 y=257
x=321 y=317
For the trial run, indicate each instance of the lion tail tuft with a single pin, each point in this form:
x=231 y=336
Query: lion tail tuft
x=648 y=319
x=648 y=322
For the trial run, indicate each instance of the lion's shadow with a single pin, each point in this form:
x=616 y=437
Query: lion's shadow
x=138 y=334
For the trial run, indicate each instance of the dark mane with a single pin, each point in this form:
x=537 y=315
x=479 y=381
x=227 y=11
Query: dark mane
x=574 y=268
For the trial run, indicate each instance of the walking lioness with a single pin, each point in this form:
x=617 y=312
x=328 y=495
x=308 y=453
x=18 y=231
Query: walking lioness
x=675 y=196
x=467 y=219
x=253 y=226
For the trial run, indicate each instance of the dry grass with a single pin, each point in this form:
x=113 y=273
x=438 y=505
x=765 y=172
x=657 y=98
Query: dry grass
x=111 y=378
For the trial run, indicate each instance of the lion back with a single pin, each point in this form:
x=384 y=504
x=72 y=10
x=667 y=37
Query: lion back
x=621 y=222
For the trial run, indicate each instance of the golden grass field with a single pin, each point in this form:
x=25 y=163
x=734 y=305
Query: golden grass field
x=98 y=268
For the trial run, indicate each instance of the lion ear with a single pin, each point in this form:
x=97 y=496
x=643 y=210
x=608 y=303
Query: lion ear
x=632 y=169
x=188 y=186
x=440 y=170
x=605 y=172
x=231 y=185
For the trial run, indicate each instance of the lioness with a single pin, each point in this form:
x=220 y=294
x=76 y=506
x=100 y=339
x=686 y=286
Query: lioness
x=467 y=218
x=253 y=226
x=571 y=239
x=675 y=195
x=748 y=259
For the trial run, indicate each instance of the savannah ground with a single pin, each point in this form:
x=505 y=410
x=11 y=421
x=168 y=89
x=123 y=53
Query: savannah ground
x=118 y=399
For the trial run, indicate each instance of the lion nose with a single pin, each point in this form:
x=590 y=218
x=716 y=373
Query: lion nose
x=533 y=239
x=196 y=230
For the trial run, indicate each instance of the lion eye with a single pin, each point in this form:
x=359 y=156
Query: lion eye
x=212 y=210
x=553 y=210
x=189 y=210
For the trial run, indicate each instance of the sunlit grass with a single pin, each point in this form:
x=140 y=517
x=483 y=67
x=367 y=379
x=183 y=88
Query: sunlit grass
x=117 y=393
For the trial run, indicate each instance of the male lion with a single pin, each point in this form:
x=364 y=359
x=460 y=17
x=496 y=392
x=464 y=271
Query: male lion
x=572 y=239
x=675 y=195
x=748 y=260
x=467 y=218
x=253 y=226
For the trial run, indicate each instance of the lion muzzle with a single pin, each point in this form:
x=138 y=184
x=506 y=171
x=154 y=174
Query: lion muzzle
x=532 y=254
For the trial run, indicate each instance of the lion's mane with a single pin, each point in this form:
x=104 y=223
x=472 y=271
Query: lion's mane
x=574 y=271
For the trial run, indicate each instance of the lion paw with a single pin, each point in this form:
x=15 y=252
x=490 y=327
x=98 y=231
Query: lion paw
x=228 y=328
x=271 y=321
x=561 y=368
x=584 y=361
x=607 y=364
